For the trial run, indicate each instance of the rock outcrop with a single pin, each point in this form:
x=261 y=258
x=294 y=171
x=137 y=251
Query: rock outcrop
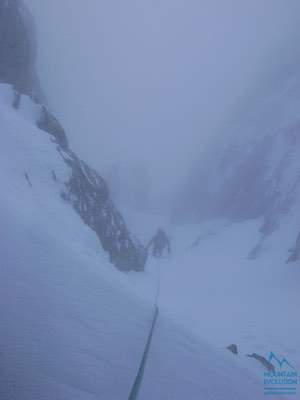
x=295 y=251
x=89 y=195
x=18 y=49
x=233 y=348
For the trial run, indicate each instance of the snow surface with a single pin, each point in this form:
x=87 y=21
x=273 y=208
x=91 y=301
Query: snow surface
x=73 y=327
x=231 y=298
x=211 y=287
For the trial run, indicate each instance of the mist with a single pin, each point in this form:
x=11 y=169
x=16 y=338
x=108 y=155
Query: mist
x=145 y=84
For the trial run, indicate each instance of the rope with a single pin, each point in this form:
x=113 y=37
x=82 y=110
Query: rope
x=139 y=378
x=157 y=287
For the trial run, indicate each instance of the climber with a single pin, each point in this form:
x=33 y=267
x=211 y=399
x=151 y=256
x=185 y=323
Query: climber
x=159 y=243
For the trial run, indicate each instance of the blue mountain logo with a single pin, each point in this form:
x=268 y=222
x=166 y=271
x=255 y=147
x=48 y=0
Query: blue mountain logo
x=281 y=362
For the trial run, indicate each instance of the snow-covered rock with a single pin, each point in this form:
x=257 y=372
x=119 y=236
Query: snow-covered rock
x=84 y=189
x=252 y=169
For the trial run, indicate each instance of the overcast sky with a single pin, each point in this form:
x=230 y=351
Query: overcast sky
x=150 y=80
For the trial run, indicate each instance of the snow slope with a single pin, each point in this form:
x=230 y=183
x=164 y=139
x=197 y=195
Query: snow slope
x=71 y=326
x=212 y=287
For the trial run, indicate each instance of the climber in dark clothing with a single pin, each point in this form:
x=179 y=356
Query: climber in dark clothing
x=159 y=243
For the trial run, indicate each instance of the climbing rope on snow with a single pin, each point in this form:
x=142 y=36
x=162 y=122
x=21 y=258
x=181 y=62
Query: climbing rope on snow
x=139 y=378
x=157 y=287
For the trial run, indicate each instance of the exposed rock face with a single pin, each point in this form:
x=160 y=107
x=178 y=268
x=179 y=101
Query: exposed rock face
x=48 y=123
x=89 y=195
x=233 y=348
x=17 y=48
x=86 y=191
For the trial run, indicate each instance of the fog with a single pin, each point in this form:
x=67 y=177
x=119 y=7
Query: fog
x=143 y=84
